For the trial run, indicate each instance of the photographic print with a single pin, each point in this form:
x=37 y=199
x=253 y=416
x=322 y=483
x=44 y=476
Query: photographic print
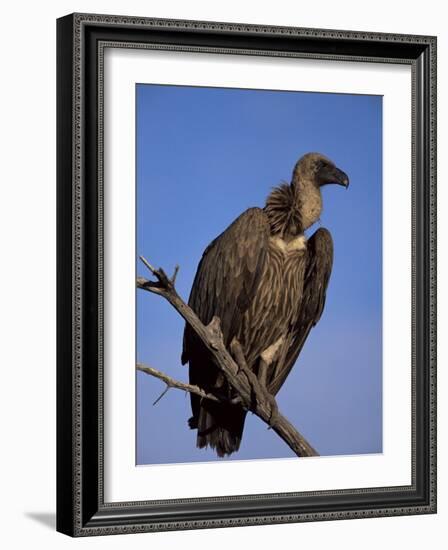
x=246 y=274
x=265 y=210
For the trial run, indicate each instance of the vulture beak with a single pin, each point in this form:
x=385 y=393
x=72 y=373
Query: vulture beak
x=332 y=174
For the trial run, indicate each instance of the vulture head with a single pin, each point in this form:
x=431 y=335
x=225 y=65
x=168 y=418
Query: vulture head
x=320 y=170
x=292 y=209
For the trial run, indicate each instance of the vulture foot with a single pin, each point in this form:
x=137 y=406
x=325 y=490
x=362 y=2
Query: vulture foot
x=274 y=409
x=266 y=360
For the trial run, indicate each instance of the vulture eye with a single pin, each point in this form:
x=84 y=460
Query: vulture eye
x=319 y=165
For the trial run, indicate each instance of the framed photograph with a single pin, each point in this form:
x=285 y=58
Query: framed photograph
x=246 y=274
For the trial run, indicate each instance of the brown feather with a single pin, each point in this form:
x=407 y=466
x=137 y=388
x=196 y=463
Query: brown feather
x=264 y=286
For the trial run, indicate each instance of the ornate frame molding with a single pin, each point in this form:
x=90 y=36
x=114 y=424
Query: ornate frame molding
x=81 y=42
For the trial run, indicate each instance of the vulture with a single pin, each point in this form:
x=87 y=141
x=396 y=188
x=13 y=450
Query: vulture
x=266 y=282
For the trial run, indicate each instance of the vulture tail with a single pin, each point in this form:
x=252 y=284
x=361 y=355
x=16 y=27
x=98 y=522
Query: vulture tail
x=219 y=426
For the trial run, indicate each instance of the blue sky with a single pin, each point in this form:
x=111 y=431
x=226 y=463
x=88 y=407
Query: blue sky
x=204 y=155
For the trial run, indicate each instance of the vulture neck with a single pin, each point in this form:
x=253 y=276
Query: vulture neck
x=291 y=209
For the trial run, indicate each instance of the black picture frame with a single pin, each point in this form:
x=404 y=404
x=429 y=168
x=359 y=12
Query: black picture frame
x=81 y=510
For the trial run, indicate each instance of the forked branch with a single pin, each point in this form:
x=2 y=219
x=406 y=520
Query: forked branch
x=172 y=383
x=252 y=395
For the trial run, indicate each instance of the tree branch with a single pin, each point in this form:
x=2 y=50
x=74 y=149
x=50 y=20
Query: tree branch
x=172 y=383
x=252 y=395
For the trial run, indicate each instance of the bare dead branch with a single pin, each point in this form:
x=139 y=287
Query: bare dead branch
x=176 y=271
x=165 y=391
x=249 y=392
x=148 y=265
x=172 y=383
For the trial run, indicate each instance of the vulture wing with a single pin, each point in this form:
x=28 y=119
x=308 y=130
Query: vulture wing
x=225 y=284
x=317 y=275
x=228 y=275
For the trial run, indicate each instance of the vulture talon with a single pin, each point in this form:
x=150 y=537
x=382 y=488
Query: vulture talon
x=273 y=418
